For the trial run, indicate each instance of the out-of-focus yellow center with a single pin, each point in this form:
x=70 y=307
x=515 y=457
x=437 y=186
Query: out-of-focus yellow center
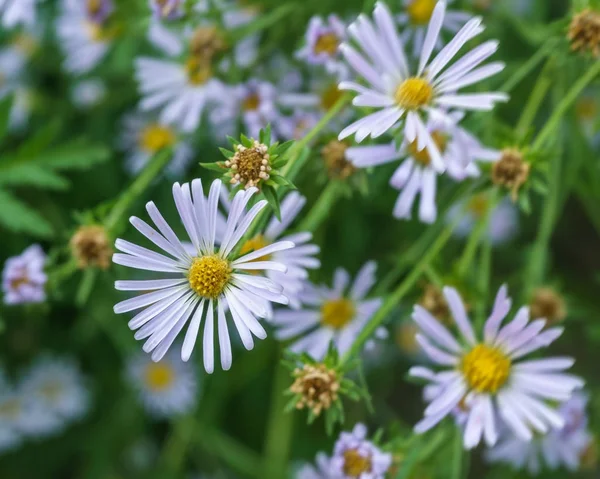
x=251 y=102
x=330 y=96
x=485 y=368
x=587 y=109
x=414 y=93
x=420 y=11
x=478 y=205
x=94 y=6
x=440 y=140
x=327 y=43
x=159 y=376
x=10 y=408
x=25 y=43
x=254 y=244
x=198 y=71
x=355 y=464
x=337 y=313
x=19 y=281
x=209 y=275
x=51 y=390
x=155 y=137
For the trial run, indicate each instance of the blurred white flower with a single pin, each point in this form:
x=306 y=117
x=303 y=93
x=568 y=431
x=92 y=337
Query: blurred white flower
x=402 y=96
x=561 y=447
x=208 y=278
x=335 y=314
x=23 y=277
x=320 y=470
x=487 y=376
x=142 y=138
x=459 y=151
x=354 y=456
x=56 y=386
x=84 y=34
x=166 y=388
x=415 y=19
x=323 y=39
x=18 y=12
x=88 y=93
x=297 y=125
x=166 y=9
x=256 y=103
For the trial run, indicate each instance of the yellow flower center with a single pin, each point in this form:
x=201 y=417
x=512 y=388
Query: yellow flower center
x=327 y=43
x=337 y=313
x=209 y=275
x=485 y=368
x=10 y=408
x=478 y=205
x=159 y=376
x=51 y=390
x=249 y=165
x=198 y=71
x=19 y=281
x=94 y=6
x=254 y=244
x=251 y=102
x=155 y=137
x=413 y=93
x=587 y=109
x=422 y=156
x=330 y=96
x=355 y=464
x=25 y=43
x=420 y=11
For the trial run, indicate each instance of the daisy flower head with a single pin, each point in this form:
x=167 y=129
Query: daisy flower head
x=201 y=285
x=323 y=39
x=456 y=152
x=405 y=98
x=88 y=93
x=560 y=448
x=23 y=277
x=416 y=17
x=57 y=386
x=503 y=224
x=143 y=137
x=166 y=9
x=18 y=12
x=354 y=456
x=297 y=260
x=489 y=374
x=166 y=388
x=335 y=314
x=256 y=103
x=182 y=88
x=85 y=33
x=318 y=470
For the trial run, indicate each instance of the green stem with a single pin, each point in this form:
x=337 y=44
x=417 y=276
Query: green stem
x=457 y=455
x=474 y=240
x=392 y=300
x=321 y=208
x=262 y=22
x=483 y=282
x=527 y=67
x=536 y=97
x=279 y=429
x=86 y=286
x=564 y=105
x=135 y=190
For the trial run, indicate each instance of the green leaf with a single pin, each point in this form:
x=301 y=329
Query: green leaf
x=5 y=109
x=247 y=142
x=213 y=167
x=40 y=140
x=20 y=218
x=32 y=175
x=273 y=200
x=226 y=153
x=284 y=147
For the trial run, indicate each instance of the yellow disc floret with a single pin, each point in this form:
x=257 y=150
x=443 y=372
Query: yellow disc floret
x=159 y=376
x=209 y=275
x=414 y=93
x=355 y=464
x=337 y=313
x=327 y=43
x=422 y=156
x=155 y=137
x=486 y=368
x=420 y=11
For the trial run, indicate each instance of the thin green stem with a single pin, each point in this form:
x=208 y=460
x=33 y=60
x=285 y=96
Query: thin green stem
x=86 y=286
x=393 y=299
x=521 y=73
x=534 y=102
x=135 y=190
x=564 y=105
x=322 y=207
x=279 y=428
x=457 y=455
x=262 y=22
x=483 y=281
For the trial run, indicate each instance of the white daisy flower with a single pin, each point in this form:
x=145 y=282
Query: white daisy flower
x=335 y=314
x=297 y=260
x=320 y=470
x=18 y=12
x=13 y=60
x=503 y=224
x=166 y=388
x=323 y=39
x=142 y=138
x=356 y=457
x=11 y=412
x=180 y=89
x=88 y=93
x=23 y=277
x=417 y=14
x=256 y=101
x=235 y=16
x=401 y=95
x=57 y=386
x=417 y=174
x=560 y=448
x=487 y=373
x=84 y=34
x=210 y=278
